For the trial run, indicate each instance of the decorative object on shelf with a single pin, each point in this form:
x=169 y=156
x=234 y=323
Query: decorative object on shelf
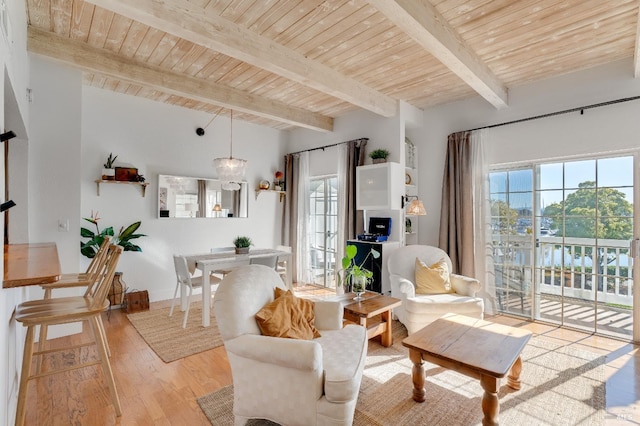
x=409 y=153
x=278 y=183
x=90 y=248
x=126 y=174
x=416 y=208
x=230 y=170
x=108 y=172
x=242 y=244
x=264 y=184
x=407 y=225
x=379 y=156
x=407 y=179
x=355 y=277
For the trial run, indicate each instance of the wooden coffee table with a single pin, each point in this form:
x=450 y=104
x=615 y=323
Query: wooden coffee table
x=476 y=348
x=367 y=311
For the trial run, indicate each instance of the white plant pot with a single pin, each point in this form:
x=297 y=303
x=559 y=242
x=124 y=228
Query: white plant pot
x=108 y=174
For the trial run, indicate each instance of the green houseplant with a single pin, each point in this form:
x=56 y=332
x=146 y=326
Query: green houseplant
x=90 y=247
x=379 y=155
x=242 y=244
x=355 y=277
x=108 y=172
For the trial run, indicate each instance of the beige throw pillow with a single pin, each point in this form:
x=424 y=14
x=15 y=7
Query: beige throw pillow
x=432 y=279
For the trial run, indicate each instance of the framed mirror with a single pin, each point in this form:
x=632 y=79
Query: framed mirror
x=191 y=197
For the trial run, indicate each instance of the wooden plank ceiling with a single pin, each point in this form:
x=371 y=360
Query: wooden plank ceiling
x=301 y=63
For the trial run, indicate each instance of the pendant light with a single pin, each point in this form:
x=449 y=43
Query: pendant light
x=230 y=170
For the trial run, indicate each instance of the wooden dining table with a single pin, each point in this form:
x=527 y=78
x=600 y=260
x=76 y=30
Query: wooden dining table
x=209 y=262
x=30 y=264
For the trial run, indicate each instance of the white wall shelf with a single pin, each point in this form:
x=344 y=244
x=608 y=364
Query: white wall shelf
x=260 y=191
x=143 y=185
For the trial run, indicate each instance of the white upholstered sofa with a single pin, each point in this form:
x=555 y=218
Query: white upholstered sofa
x=418 y=310
x=287 y=381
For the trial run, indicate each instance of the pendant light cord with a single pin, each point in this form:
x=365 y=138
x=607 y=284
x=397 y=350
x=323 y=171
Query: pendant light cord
x=214 y=117
x=231 y=134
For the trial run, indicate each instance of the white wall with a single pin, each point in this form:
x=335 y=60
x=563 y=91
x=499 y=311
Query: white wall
x=598 y=130
x=14 y=73
x=382 y=133
x=161 y=139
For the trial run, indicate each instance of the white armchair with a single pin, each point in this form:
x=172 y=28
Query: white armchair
x=287 y=381
x=418 y=310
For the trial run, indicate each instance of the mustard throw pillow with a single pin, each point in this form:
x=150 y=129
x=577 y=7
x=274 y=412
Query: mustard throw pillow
x=432 y=279
x=287 y=317
x=306 y=306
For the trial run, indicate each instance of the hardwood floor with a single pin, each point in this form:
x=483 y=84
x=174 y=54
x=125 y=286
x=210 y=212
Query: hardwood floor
x=155 y=393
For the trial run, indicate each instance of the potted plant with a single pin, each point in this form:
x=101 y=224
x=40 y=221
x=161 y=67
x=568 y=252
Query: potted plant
x=242 y=244
x=356 y=277
x=109 y=172
x=90 y=248
x=379 y=156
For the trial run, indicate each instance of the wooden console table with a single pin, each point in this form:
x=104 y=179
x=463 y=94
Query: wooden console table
x=30 y=264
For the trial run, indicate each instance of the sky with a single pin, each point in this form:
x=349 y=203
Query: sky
x=615 y=172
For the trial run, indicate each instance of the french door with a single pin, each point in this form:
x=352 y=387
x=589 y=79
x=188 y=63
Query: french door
x=562 y=234
x=323 y=199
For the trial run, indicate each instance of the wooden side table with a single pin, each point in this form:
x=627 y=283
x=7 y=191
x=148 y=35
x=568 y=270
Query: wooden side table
x=366 y=311
x=476 y=348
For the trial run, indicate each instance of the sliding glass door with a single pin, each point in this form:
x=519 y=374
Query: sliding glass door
x=561 y=234
x=324 y=225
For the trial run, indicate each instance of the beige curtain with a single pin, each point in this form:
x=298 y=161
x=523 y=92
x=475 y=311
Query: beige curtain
x=457 y=212
x=354 y=219
x=202 y=198
x=351 y=221
x=290 y=217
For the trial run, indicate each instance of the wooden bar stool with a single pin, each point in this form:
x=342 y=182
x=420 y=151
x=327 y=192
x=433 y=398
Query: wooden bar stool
x=63 y=310
x=82 y=279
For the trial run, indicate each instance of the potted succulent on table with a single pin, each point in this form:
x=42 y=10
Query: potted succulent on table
x=242 y=244
x=379 y=156
x=108 y=171
x=356 y=277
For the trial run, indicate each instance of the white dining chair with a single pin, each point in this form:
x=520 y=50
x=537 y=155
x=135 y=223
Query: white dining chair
x=183 y=277
x=281 y=267
x=270 y=261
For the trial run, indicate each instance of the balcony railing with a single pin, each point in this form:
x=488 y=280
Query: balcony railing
x=572 y=267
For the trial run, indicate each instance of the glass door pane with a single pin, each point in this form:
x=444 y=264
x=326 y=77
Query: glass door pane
x=324 y=223
x=561 y=237
x=585 y=226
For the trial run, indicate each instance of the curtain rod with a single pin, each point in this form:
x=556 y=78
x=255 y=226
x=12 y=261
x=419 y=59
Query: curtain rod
x=328 y=146
x=551 y=114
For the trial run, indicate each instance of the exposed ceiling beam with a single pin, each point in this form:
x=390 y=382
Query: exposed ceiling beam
x=636 y=47
x=88 y=58
x=422 y=22
x=203 y=27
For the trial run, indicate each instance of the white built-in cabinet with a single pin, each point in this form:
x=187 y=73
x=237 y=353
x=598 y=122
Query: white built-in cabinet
x=380 y=186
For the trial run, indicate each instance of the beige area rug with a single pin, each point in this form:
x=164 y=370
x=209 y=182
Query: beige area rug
x=560 y=386
x=165 y=335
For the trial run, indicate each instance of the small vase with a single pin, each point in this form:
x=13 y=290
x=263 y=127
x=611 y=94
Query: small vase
x=378 y=160
x=359 y=285
x=242 y=250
